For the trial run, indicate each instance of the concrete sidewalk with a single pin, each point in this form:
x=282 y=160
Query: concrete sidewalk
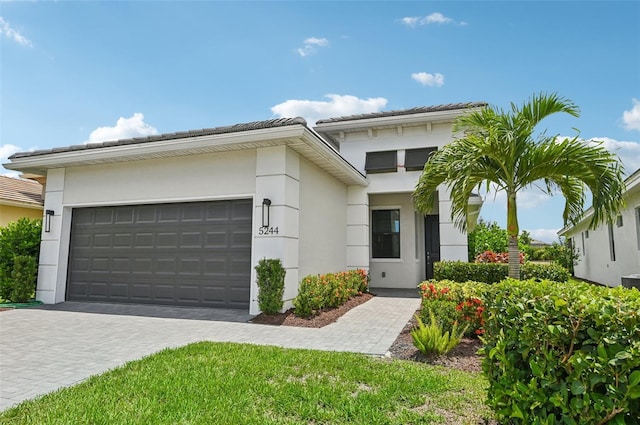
x=42 y=350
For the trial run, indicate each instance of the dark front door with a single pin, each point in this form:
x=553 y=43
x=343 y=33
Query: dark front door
x=431 y=242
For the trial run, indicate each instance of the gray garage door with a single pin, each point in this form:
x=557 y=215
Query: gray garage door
x=189 y=254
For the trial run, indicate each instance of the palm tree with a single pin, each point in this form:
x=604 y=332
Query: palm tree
x=499 y=148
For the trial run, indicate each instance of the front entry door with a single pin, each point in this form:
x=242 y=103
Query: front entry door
x=431 y=242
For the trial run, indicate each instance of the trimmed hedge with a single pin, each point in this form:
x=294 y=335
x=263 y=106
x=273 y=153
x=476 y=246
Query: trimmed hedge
x=496 y=272
x=316 y=292
x=562 y=353
x=270 y=276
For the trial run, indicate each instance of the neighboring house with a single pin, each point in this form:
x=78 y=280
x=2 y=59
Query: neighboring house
x=611 y=251
x=183 y=218
x=19 y=198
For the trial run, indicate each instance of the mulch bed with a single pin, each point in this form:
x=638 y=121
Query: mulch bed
x=464 y=357
x=321 y=319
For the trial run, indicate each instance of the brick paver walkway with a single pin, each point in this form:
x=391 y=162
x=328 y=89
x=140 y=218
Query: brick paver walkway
x=42 y=350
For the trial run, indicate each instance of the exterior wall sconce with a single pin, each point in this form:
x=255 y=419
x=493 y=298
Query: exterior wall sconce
x=266 y=204
x=47 y=220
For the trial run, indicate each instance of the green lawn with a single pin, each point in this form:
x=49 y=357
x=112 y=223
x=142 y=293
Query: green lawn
x=214 y=383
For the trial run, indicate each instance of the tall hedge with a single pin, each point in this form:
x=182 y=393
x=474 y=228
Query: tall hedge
x=562 y=353
x=459 y=271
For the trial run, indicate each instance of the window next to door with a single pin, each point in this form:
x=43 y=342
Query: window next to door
x=385 y=233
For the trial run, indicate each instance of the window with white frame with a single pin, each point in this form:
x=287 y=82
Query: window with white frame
x=385 y=233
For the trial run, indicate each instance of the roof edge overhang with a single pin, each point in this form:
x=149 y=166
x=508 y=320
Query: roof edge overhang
x=29 y=205
x=393 y=120
x=298 y=136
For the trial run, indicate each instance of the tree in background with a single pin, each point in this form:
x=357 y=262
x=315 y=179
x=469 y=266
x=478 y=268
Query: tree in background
x=497 y=150
x=489 y=236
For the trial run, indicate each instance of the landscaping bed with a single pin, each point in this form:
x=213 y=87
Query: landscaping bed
x=464 y=357
x=319 y=320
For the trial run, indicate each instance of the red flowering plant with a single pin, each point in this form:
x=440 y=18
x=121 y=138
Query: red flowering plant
x=471 y=313
x=496 y=257
x=453 y=303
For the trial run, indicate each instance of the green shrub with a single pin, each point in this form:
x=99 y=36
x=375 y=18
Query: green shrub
x=454 y=303
x=553 y=271
x=562 y=353
x=316 y=292
x=18 y=238
x=495 y=272
x=463 y=272
x=23 y=277
x=432 y=340
x=270 y=276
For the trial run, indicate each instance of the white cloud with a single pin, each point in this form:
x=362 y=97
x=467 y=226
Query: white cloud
x=6 y=151
x=437 y=18
x=410 y=21
x=629 y=152
x=434 y=18
x=310 y=45
x=337 y=105
x=631 y=118
x=125 y=128
x=6 y=30
x=545 y=235
x=426 y=79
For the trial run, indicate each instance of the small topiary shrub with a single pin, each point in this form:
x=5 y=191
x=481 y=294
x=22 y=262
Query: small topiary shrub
x=562 y=353
x=458 y=271
x=270 y=276
x=432 y=340
x=316 y=292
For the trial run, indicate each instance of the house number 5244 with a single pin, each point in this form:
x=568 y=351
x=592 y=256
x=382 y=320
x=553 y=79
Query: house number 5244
x=268 y=231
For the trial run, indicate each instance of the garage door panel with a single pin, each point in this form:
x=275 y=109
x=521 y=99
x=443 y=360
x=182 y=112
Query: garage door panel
x=175 y=254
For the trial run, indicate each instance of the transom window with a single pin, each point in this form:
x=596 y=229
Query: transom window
x=385 y=233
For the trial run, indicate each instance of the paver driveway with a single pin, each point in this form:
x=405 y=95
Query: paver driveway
x=42 y=350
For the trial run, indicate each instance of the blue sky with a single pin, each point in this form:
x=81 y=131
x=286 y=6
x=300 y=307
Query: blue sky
x=73 y=72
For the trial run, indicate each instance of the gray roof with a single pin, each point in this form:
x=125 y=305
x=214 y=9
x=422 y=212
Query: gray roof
x=256 y=125
x=412 y=111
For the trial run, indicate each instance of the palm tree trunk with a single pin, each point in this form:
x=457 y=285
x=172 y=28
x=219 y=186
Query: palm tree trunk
x=512 y=232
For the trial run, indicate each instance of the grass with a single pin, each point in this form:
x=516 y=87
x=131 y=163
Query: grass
x=226 y=383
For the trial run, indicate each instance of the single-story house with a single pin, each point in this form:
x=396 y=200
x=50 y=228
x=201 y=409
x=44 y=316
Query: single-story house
x=611 y=251
x=184 y=218
x=19 y=198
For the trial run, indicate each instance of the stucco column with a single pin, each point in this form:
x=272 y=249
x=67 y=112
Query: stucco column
x=51 y=277
x=453 y=242
x=277 y=179
x=357 y=228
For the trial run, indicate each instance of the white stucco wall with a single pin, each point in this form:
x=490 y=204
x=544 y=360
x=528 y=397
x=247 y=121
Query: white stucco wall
x=355 y=146
x=594 y=261
x=323 y=222
x=388 y=189
x=407 y=271
x=210 y=176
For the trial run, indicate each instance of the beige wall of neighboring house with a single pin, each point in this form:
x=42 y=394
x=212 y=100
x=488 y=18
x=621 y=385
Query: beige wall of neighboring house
x=19 y=198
